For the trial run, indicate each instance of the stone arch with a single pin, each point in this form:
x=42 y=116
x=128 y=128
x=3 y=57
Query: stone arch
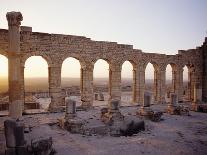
x=2 y=52
x=73 y=55
x=76 y=81
x=155 y=88
x=129 y=90
x=172 y=87
x=46 y=57
x=105 y=90
x=189 y=90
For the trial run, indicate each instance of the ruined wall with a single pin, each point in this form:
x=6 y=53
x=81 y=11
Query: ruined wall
x=55 y=48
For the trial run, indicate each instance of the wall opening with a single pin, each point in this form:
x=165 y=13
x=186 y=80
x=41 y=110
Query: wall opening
x=101 y=82
x=70 y=79
x=150 y=80
x=36 y=83
x=169 y=83
x=126 y=83
x=186 y=84
x=4 y=96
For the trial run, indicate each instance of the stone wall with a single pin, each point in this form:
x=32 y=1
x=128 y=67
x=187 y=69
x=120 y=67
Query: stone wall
x=55 y=48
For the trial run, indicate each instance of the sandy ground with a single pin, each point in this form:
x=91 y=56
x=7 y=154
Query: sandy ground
x=174 y=135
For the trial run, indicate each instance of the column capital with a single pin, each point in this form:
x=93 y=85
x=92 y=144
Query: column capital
x=14 y=18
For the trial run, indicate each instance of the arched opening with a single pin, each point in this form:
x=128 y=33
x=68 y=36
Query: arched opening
x=169 y=83
x=150 y=83
x=4 y=97
x=101 y=82
x=126 y=83
x=186 y=84
x=70 y=79
x=36 y=83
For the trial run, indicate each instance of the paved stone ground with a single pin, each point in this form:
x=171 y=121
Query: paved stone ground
x=177 y=135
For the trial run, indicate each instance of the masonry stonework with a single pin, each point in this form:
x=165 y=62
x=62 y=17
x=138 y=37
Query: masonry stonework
x=18 y=43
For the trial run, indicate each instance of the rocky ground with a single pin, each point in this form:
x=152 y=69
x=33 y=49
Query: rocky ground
x=177 y=135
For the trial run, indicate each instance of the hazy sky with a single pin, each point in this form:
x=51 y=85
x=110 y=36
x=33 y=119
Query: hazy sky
x=162 y=26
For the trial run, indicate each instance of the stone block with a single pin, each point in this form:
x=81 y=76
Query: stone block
x=130 y=127
x=100 y=97
x=147 y=99
x=70 y=108
x=10 y=151
x=14 y=133
x=42 y=146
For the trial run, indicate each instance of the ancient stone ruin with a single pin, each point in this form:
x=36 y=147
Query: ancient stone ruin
x=18 y=43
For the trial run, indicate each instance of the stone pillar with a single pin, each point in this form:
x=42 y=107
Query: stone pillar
x=140 y=84
x=55 y=88
x=115 y=83
x=134 y=87
x=147 y=99
x=160 y=85
x=179 y=83
x=15 y=84
x=87 y=86
x=156 y=87
x=70 y=109
x=174 y=80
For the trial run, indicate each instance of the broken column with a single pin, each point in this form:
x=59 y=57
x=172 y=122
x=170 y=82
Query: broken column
x=112 y=114
x=70 y=109
x=16 y=100
x=71 y=122
x=96 y=96
x=147 y=102
x=174 y=109
x=173 y=103
x=100 y=97
x=146 y=112
x=14 y=134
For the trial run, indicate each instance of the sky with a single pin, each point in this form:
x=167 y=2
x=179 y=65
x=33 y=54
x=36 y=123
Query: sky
x=158 y=26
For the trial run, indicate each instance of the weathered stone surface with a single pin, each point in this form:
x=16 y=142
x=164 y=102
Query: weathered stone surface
x=147 y=99
x=199 y=107
x=96 y=96
x=14 y=133
x=74 y=125
x=179 y=110
x=100 y=97
x=148 y=113
x=130 y=127
x=42 y=146
x=70 y=108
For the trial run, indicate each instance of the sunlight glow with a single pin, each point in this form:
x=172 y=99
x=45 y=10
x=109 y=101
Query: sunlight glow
x=168 y=72
x=127 y=70
x=101 y=69
x=149 y=72
x=3 y=66
x=185 y=73
x=36 y=66
x=71 y=68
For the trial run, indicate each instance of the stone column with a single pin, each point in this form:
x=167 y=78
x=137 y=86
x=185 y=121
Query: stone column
x=15 y=84
x=174 y=79
x=55 y=88
x=134 y=87
x=179 y=83
x=140 y=84
x=161 y=85
x=115 y=83
x=155 y=87
x=87 y=86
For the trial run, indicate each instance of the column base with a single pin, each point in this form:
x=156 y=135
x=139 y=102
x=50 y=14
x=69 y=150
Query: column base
x=148 y=113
